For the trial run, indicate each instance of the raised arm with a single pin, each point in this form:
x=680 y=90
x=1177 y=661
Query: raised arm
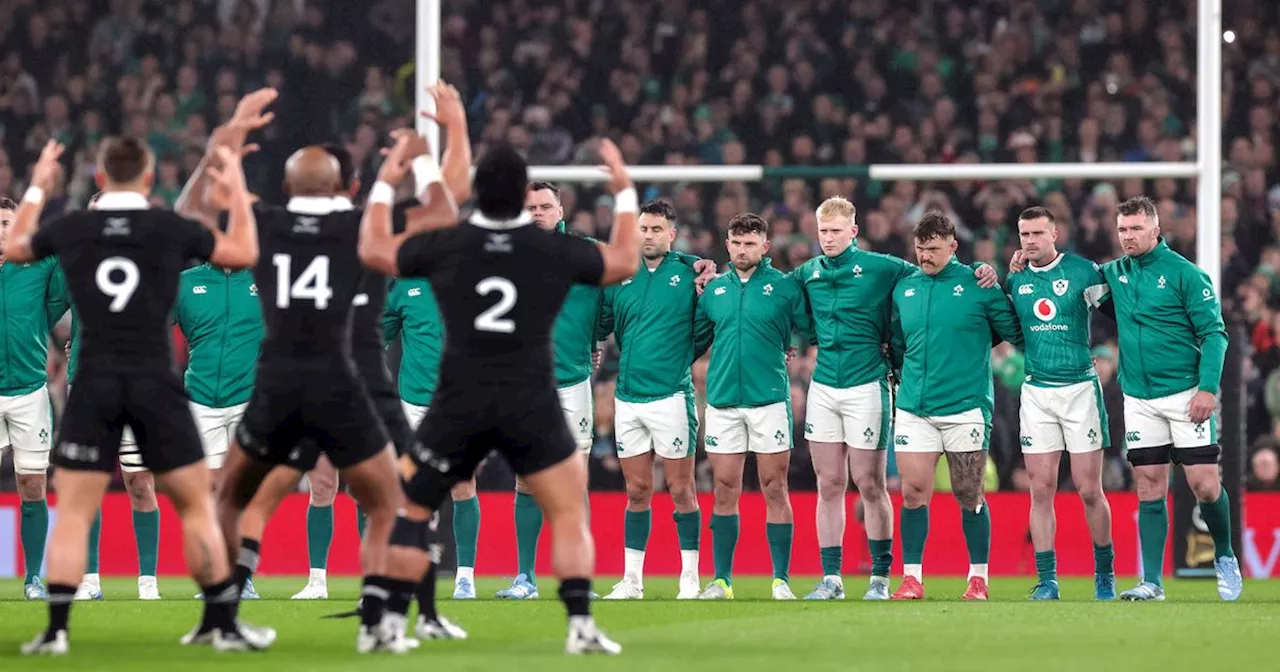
x=379 y=247
x=622 y=253
x=238 y=247
x=455 y=164
x=18 y=247
x=194 y=202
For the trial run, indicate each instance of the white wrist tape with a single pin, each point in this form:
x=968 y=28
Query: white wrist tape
x=34 y=195
x=425 y=171
x=626 y=201
x=382 y=193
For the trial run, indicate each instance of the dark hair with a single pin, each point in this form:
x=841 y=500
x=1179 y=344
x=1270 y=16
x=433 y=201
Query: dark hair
x=935 y=224
x=660 y=208
x=1139 y=205
x=545 y=186
x=501 y=178
x=7 y=203
x=1037 y=212
x=747 y=223
x=124 y=159
x=346 y=167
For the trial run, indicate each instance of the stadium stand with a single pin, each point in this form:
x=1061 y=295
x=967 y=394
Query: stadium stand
x=712 y=82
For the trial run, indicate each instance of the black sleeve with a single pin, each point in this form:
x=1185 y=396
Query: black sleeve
x=418 y=255
x=582 y=258
x=49 y=238
x=195 y=241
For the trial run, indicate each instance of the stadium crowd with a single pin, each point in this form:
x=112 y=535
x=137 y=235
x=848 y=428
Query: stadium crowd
x=806 y=82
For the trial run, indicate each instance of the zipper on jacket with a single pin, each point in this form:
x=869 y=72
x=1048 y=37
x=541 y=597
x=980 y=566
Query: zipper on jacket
x=924 y=368
x=742 y=295
x=1137 y=299
x=644 y=297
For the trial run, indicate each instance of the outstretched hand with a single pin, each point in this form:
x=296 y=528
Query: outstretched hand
x=614 y=166
x=45 y=173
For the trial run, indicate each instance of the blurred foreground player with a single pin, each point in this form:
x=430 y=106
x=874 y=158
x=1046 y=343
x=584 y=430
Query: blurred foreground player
x=506 y=281
x=122 y=263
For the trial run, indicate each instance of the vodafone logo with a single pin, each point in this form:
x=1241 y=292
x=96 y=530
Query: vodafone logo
x=1044 y=310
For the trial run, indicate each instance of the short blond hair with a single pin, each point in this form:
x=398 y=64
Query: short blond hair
x=836 y=206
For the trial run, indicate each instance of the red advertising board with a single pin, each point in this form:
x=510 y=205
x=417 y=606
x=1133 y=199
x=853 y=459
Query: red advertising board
x=284 y=549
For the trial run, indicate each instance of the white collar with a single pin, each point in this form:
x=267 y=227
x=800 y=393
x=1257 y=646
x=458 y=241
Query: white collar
x=317 y=205
x=1049 y=266
x=479 y=219
x=122 y=200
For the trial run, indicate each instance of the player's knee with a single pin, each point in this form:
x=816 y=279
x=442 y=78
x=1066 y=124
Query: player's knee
x=1091 y=494
x=1043 y=485
x=639 y=492
x=832 y=486
x=774 y=488
x=727 y=490
x=870 y=484
x=141 y=487
x=683 y=495
x=31 y=487
x=324 y=491
x=1206 y=489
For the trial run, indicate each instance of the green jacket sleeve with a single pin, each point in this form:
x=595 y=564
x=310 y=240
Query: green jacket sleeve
x=801 y=320
x=604 y=322
x=704 y=329
x=897 y=340
x=1004 y=322
x=1205 y=313
x=392 y=321
x=58 y=297
x=805 y=328
x=687 y=259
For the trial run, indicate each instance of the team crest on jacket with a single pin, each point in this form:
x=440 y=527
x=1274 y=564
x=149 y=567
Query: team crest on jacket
x=253 y=289
x=1060 y=286
x=768 y=290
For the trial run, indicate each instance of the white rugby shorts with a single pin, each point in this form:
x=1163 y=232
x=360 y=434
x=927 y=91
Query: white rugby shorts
x=958 y=433
x=1150 y=423
x=763 y=430
x=578 y=405
x=26 y=427
x=855 y=416
x=668 y=427
x=1068 y=418
x=217 y=426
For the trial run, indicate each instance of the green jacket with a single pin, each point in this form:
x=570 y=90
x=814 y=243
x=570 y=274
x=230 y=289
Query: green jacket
x=751 y=323
x=1172 y=337
x=651 y=318
x=573 y=337
x=944 y=326
x=33 y=297
x=219 y=313
x=850 y=296
x=412 y=314
x=1055 y=305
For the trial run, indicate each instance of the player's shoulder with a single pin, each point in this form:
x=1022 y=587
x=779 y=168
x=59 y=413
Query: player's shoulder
x=887 y=261
x=720 y=281
x=1078 y=264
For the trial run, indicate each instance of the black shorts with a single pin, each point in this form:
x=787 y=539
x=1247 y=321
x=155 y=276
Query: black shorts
x=300 y=410
x=152 y=403
x=372 y=368
x=527 y=427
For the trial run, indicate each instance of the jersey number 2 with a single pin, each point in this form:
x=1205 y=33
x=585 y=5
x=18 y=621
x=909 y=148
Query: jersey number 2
x=492 y=319
x=312 y=284
x=120 y=292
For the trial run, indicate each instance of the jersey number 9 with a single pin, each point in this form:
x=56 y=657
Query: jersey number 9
x=492 y=320
x=120 y=292
x=312 y=284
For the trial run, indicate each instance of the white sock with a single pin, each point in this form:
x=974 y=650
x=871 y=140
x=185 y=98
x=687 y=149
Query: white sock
x=633 y=564
x=317 y=576
x=914 y=571
x=834 y=578
x=880 y=579
x=689 y=562
x=979 y=570
x=468 y=573
x=92 y=578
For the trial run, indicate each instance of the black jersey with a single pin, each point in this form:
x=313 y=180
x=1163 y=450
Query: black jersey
x=122 y=263
x=500 y=288
x=366 y=320
x=308 y=276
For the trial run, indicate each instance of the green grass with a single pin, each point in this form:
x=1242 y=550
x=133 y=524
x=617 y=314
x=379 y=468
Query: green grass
x=1191 y=630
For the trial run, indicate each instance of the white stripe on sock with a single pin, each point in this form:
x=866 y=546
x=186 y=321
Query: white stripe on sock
x=914 y=571
x=979 y=570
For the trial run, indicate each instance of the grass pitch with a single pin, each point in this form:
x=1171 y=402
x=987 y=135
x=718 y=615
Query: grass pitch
x=1191 y=630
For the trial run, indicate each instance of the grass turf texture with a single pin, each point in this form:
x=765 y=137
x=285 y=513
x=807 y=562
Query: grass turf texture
x=1191 y=630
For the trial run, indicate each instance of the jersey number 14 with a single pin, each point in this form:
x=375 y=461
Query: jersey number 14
x=312 y=283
